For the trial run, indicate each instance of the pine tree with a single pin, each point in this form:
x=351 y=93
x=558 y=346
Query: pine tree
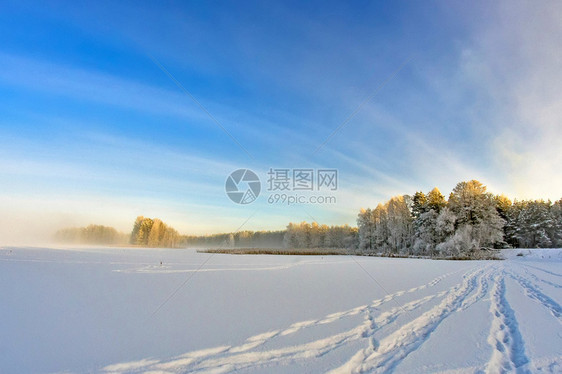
x=556 y=212
x=476 y=208
x=435 y=200
x=419 y=204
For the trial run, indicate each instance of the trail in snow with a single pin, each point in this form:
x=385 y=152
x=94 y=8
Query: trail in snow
x=534 y=293
x=536 y=278
x=508 y=353
x=543 y=270
x=228 y=358
x=482 y=290
x=385 y=355
x=381 y=355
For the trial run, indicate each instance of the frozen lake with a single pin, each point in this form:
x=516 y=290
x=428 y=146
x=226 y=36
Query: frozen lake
x=141 y=310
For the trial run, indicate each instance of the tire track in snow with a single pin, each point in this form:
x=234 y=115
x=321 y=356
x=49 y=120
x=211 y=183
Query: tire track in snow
x=391 y=350
x=228 y=358
x=508 y=353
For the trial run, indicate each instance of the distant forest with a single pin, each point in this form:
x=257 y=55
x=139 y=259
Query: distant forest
x=92 y=234
x=422 y=224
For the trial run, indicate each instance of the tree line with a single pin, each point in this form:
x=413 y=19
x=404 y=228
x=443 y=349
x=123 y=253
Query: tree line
x=92 y=234
x=470 y=220
x=147 y=232
x=423 y=224
x=296 y=235
x=239 y=239
x=314 y=235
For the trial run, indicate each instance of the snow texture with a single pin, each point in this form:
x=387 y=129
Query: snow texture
x=109 y=311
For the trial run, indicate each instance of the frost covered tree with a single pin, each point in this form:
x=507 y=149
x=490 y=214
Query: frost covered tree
x=472 y=219
x=475 y=207
x=460 y=243
x=425 y=212
x=426 y=233
x=380 y=232
x=503 y=205
x=556 y=211
x=534 y=224
x=398 y=224
x=435 y=200
x=366 y=229
x=445 y=225
x=419 y=204
x=373 y=229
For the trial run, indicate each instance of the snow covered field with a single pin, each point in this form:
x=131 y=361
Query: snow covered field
x=119 y=310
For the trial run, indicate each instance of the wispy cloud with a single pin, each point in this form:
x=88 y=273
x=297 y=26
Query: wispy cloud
x=516 y=58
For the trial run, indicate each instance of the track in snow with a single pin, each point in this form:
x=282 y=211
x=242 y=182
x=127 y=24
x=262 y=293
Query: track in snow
x=534 y=292
x=508 y=353
x=484 y=282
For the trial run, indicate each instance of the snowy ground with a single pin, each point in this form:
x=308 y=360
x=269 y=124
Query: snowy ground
x=119 y=310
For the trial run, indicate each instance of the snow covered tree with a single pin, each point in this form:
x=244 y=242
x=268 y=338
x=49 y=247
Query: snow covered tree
x=445 y=225
x=472 y=219
x=535 y=225
x=476 y=208
x=373 y=231
x=380 y=233
x=556 y=212
x=468 y=202
x=426 y=233
x=503 y=205
x=399 y=224
x=366 y=227
x=419 y=204
x=435 y=200
x=460 y=243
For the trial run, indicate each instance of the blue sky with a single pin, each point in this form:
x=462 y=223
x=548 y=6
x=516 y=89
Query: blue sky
x=93 y=131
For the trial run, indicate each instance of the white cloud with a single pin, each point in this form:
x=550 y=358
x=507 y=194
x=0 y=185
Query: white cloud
x=516 y=57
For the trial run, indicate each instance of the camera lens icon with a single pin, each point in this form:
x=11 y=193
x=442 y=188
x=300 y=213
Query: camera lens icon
x=243 y=186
